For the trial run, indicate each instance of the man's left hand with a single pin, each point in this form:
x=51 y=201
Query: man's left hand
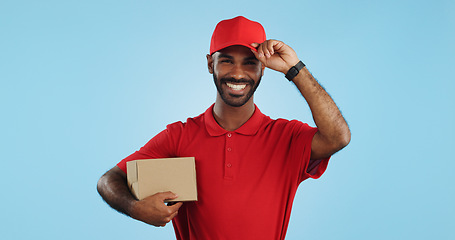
x=275 y=55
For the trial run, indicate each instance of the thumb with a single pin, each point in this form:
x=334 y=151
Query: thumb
x=255 y=52
x=167 y=195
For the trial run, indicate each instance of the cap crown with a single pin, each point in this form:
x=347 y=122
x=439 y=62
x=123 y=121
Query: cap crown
x=236 y=31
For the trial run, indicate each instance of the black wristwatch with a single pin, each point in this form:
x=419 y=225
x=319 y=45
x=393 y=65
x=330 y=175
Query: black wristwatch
x=293 y=71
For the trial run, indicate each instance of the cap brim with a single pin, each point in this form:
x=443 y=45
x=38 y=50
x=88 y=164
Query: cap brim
x=233 y=44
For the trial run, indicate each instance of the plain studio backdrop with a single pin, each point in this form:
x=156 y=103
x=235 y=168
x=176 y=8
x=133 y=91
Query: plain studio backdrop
x=86 y=83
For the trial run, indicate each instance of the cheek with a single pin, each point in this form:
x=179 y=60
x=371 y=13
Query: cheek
x=257 y=72
x=219 y=69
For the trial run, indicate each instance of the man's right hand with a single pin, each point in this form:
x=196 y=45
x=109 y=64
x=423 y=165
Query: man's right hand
x=153 y=209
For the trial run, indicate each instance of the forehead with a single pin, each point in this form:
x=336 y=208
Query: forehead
x=235 y=51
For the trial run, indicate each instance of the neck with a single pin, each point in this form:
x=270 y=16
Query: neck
x=231 y=118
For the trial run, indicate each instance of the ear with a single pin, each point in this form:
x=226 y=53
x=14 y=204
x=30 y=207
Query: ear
x=210 y=63
x=262 y=69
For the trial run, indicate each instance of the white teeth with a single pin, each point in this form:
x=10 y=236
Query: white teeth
x=235 y=86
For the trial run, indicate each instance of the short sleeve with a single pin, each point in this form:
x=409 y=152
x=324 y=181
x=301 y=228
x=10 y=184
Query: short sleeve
x=301 y=149
x=163 y=145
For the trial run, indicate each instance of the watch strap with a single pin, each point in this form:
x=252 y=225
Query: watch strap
x=293 y=71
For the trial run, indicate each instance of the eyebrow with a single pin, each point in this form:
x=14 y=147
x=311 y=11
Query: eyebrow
x=251 y=58
x=224 y=55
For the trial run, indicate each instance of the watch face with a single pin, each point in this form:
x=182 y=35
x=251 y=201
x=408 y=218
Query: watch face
x=294 y=70
x=292 y=73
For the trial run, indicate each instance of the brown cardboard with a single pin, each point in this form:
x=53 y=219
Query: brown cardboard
x=149 y=176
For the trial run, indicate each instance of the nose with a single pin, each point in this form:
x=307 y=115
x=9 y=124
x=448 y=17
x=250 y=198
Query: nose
x=238 y=72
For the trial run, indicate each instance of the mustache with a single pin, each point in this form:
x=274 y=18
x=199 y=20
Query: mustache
x=233 y=80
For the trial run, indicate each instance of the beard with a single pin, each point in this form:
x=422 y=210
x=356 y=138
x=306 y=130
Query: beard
x=234 y=100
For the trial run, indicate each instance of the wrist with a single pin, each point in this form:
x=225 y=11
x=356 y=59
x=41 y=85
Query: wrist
x=133 y=208
x=294 y=70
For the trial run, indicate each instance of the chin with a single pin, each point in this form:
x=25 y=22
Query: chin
x=234 y=100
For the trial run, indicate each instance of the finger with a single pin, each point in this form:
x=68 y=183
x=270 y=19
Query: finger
x=255 y=45
x=175 y=207
x=263 y=50
x=268 y=48
x=171 y=212
x=162 y=196
x=259 y=55
x=281 y=48
x=256 y=54
x=167 y=195
x=173 y=215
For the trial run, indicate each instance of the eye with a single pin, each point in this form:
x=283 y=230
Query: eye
x=250 y=63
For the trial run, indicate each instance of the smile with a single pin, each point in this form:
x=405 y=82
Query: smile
x=236 y=87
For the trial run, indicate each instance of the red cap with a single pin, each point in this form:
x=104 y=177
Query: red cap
x=236 y=31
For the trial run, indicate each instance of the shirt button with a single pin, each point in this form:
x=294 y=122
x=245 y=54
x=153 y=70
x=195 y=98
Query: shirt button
x=229 y=135
x=229 y=149
x=229 y=165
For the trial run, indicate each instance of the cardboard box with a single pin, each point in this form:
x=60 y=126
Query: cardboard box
x=149 y=176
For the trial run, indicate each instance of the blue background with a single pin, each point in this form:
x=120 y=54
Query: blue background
x=86 y=83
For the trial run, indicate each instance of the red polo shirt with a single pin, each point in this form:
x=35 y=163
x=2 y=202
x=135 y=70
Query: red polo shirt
x=247 y=178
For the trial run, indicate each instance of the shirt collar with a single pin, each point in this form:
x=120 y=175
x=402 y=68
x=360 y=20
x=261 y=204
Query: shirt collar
x=251 y=126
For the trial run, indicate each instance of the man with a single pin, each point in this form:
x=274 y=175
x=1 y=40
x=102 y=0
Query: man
x=248 y=165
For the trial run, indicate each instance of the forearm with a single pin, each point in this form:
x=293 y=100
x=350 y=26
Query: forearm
x=113 y=188
x=333 y=132
x=327 y=117
x=152 y=210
